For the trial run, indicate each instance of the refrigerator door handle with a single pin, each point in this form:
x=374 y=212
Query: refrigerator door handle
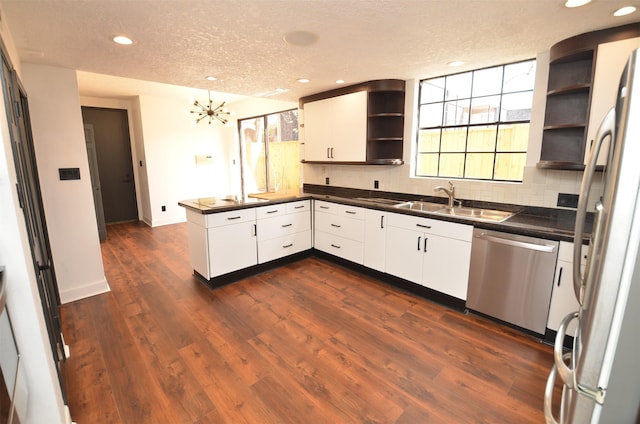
x=548 y=396
x=605 y=130
x=566 y=373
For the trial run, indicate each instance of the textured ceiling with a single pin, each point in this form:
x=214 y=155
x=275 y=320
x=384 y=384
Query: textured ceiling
x=241 y=41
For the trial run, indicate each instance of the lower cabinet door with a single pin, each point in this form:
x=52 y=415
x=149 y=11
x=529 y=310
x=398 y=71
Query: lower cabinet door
x=232 y=247
x=446 y=265
x=404 y=254
x=350 y=250
x=280 y=247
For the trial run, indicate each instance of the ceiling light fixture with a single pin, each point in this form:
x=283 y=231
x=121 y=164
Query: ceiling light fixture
x=576 y=3
x=340 y=81
x=219 y=113
x=456 y=63
x=210 y=78
x=122 y=40
x=623 y=11
x=303 y=80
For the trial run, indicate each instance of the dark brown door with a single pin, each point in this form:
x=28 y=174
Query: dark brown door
x=115 y=166
x=28 y=187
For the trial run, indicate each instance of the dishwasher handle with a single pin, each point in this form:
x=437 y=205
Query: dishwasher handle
x=515 y=243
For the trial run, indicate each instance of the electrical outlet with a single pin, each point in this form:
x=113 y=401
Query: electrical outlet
x=326 y=180
x=376 y=184
x=164 y=208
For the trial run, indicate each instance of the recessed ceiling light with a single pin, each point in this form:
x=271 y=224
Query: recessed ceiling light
x=339 y=81
x=210 y=78
x=623 y=11
x=122 y=39
x=456 y=63
x=303 y=80
x=300 y=38
x=576 y=3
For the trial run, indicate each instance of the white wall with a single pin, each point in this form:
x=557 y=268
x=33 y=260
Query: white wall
x=171 y=143
x=44 y=398
x=539 y=187
x=58 y=134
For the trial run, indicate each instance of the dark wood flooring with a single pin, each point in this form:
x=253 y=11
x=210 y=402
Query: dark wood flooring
x=309 y=342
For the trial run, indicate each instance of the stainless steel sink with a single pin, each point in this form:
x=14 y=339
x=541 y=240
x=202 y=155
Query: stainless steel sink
x=421 y=206
x=479 y=214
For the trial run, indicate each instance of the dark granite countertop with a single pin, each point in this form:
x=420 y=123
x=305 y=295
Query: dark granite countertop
x=549 y=223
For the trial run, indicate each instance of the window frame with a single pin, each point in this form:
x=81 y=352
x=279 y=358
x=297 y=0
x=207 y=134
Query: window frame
x=265 y=142
x=498 y=122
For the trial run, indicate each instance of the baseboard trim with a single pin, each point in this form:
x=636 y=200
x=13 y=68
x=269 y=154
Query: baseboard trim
x=88 y=290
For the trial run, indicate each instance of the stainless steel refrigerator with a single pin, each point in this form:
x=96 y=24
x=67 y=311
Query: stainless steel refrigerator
x=601 y=373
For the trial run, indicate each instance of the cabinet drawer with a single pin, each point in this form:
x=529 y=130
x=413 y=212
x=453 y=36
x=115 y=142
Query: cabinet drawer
x=270 y=211
x=565 y=252
x=231 y=217
x=339 y=225
x=279 y=226
x=339 y=209
x=432 y=226
x=280 y=247
x=300 y=206
x=339 y=246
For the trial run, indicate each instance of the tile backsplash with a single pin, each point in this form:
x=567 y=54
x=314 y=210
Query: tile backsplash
x=540 y=187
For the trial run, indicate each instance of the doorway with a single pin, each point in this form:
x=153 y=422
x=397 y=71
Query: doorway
x=113 y=164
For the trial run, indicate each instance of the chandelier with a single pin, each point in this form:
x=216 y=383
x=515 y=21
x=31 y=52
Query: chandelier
x=219 y=112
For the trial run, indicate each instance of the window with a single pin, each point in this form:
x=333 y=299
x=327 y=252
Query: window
x=476 y=124
x=270 y=152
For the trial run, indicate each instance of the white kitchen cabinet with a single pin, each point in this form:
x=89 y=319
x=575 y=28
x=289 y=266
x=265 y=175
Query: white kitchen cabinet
x=375 y=239
x=429 y=252
x=339 y=230
x=563 y=298
x=283 y=230
x=222 y=242
x=335 y=129
x=231 y=238
x=611 y=59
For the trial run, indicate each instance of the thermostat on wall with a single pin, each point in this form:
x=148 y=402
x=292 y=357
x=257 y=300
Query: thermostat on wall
x=69 y=173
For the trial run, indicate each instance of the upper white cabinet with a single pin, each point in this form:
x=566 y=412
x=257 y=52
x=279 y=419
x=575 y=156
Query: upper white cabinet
x=335 y=129
x=611 y=59
x=359 y=124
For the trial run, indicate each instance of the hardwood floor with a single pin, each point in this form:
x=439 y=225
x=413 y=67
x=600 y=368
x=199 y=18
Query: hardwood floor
x=310 y=342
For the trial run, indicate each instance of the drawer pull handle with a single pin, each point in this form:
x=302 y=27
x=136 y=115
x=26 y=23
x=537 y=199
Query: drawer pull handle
x=423 y=226
x=298 y=207
x=231 y=218
x=336 y=246
x=323 y=207
x=286 y=225
x=287 y=245
x=273 y=211
x=350 y=212
x=336 y=225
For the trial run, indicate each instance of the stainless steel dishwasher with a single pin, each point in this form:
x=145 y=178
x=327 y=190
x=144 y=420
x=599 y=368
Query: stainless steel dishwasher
x=511 y=277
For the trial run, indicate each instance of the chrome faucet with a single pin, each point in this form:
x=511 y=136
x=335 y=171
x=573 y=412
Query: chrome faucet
x=451 y=192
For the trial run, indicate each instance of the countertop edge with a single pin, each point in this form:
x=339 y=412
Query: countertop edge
x=511 y=225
